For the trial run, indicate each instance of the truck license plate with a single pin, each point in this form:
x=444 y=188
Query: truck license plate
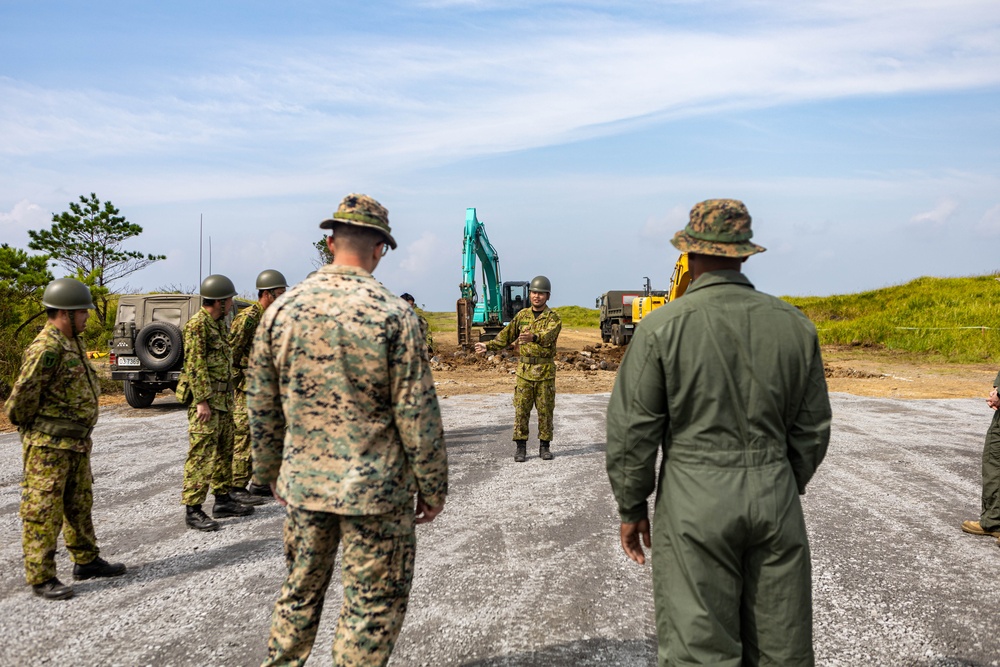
x=128 y=361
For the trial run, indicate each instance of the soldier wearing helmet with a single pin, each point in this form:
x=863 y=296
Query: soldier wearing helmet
x=535 y=331
x=205 y=385
x=347 y=429
x=725 y=386
x=54 y=404
x=425 y=327
x=270 y=285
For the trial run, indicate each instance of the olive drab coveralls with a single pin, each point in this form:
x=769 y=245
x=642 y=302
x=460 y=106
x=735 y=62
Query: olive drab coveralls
x=206 y=376
x=989 y=518
x=241 y=342
x=339 y=361
x=728 y=384
x=536 y=369
x=54 y=404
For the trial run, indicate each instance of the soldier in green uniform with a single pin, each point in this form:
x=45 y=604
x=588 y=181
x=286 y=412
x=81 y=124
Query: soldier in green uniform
x=205 y=386
x=535 y=330
x=346 y=428
x=425 y=327
x=727 y=385
x=54 y=405
x=989 y=517
x=270 y=285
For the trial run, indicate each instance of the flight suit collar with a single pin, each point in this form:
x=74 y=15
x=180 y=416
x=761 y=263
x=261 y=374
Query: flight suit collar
x=726 y=277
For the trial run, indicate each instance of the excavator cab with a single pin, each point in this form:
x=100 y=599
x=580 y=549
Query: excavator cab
x=514 y=299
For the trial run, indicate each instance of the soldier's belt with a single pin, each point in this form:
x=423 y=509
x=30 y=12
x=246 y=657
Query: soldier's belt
x=61 y=428
x=536 y=360
x=222 y=386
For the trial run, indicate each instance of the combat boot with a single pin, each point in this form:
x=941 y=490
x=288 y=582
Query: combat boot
x=225 y=506
x=97 y=568
x=243 y=497
x=53 y=589
x=543 y=450
x=263 y=490
x=522 y=451
x=198 y=520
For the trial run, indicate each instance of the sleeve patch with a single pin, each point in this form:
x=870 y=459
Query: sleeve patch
x=49 y=359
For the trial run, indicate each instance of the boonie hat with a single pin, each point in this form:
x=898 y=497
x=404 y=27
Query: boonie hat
x=362 y=210
x=719 y=227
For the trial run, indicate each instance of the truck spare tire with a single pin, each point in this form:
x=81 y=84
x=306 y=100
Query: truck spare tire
x=159 y=346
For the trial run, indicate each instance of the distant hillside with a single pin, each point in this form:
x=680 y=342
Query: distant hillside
x=951 y=319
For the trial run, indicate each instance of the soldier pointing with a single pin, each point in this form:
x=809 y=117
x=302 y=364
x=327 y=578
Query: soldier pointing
x=54 y=404
x=535 y=330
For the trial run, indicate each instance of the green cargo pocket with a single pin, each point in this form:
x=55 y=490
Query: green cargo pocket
x=37 y=497
x=198 y=427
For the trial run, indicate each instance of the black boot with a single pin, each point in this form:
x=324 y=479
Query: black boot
x=522 y=451
x=543 y=450
x=263 y=490
x=226 y=506
x=243 y=497
x=198 y=520
x=53 y=589
x=97 y=568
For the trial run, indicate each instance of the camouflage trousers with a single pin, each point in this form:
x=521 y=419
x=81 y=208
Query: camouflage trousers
x=989 y=519
x=376 y=571
x=57 y=493
x=540 y=394
x=242 y=464
x=210 y=456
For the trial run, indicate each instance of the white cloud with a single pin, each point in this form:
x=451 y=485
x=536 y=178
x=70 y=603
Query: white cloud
x=990 y=222
x=420 y=255
x=24 y=215
x=937 y=216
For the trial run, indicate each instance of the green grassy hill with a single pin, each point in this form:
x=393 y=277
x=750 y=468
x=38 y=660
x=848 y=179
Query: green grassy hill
x=944 y=319
x=936 y=319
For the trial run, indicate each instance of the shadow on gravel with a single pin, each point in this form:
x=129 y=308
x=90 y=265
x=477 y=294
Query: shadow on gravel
x=580 y=654
x=945 y=662
x=459 y=437
x=203 y=559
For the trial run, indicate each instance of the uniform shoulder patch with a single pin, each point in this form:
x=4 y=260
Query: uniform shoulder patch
x=49 y=359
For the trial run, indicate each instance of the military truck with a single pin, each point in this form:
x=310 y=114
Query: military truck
x=616 y=315
x=147 y=344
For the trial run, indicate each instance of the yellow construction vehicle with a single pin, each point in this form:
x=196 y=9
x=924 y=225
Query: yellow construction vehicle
x=652 y=300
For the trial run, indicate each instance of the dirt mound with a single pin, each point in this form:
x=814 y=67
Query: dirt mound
x=597 y=357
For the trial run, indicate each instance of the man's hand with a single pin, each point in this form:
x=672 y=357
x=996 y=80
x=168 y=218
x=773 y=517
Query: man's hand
x=204 y=412
x=480 y=348
x=526 y=337
x=630 y=540
x=274 y=492
x=994 y=400
x=426 y=513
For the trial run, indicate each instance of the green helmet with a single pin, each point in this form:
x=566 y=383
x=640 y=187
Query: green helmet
x=217 y=287
x=67 y=294
x=540 y=284
x=271 y=279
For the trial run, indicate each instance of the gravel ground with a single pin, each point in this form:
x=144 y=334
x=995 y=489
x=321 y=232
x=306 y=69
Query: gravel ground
x=523 y=567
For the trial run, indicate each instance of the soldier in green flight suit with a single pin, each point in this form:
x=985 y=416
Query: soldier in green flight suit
x=205 y=387
x=726 y=385
x=54 y=405
x=270 y=285
x=535 y=330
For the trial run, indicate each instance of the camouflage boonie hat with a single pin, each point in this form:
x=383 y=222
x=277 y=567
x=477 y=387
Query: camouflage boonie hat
x=719 y=227
x=363 y=211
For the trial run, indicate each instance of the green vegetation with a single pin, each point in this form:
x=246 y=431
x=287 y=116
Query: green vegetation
x=941 y=319
x=577 y=317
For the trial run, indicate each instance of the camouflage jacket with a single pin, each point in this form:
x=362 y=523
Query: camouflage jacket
x=339 y=362
x=425 y=333
x=207 y=362
x=57 y=387
x=241 y=342
x=538 y=357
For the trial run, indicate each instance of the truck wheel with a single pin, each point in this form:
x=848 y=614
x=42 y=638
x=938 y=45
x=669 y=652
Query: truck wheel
x=616 y=337
x=137 y=395
x=159 y=346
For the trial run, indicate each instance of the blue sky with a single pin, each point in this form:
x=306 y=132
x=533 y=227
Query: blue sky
x=864 y=137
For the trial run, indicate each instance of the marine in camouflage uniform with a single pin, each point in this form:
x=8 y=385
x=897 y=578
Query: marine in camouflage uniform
x=346 y=426
x=270 y=285
x=205 y=387
x=989 y=517
x=54 y=404
x=536 y=331
x=425 y=327
x=726 y=386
